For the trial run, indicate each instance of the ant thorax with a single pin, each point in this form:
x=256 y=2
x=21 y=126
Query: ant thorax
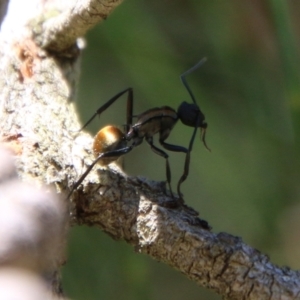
x=153 y=121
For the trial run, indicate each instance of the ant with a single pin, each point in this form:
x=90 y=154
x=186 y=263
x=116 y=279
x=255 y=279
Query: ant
x=110 y=142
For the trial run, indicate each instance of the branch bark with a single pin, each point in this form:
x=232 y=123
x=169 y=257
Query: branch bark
x=60 y=31
x=39 y=73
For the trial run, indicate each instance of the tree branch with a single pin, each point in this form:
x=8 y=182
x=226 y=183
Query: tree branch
x=60 y=30
x=138 y=212
x=38 y=121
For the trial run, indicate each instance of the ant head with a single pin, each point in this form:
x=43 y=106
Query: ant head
x=107 y=139
x=189 y=113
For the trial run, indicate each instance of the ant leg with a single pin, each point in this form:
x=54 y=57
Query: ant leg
x=117 y=152
x=101 y=109
x=173 y=148
x=185 y=173
x=183 y=80
x=129 y=113
x=166 y=156
x=187 y=159
x=176 y=148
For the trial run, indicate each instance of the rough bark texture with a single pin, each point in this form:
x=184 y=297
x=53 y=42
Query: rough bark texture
x=39 y=71
x=61 y=31
x=176 y=236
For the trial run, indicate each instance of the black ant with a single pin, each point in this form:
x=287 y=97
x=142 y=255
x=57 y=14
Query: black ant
x=110 y=142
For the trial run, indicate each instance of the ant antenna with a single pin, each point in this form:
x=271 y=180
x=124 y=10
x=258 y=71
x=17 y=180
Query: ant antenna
x=183 y=80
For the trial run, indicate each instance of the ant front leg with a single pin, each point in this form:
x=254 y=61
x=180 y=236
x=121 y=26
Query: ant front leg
x=166 y=156
x=188 y=157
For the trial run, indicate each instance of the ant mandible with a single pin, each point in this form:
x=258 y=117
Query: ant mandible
x=110 y=142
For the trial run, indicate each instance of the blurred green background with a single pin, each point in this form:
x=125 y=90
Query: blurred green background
x=249 y=91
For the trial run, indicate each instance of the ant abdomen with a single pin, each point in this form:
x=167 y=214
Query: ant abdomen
x=107 y=139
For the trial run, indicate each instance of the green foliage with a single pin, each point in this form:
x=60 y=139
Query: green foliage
x=249 y=92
